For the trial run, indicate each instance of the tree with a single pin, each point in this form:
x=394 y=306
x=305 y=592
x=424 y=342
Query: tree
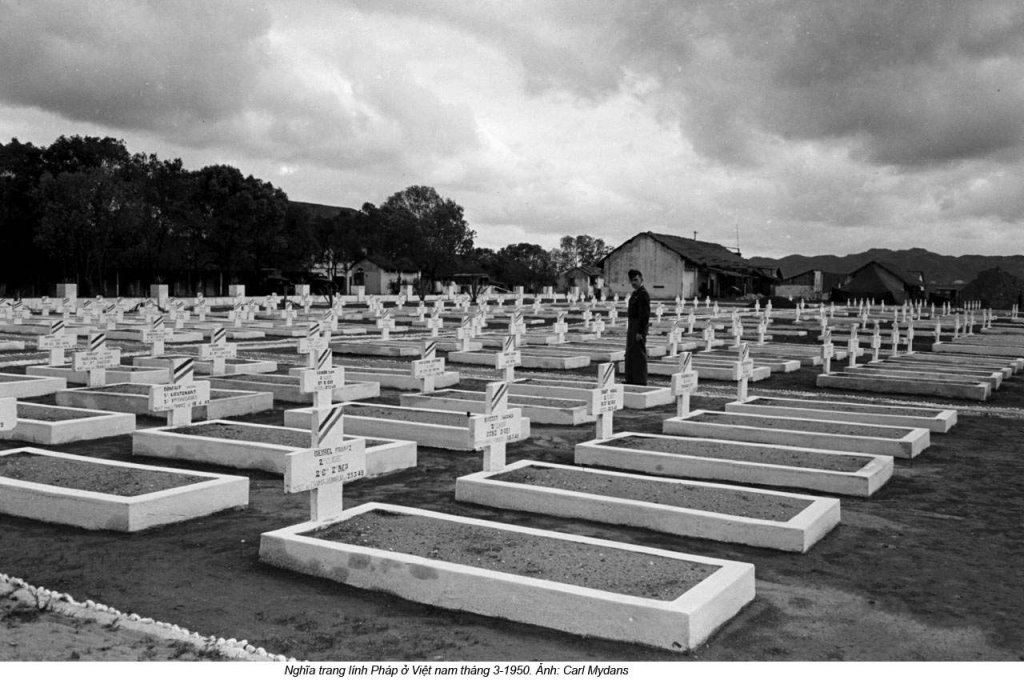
x=21 y=260
x=579 y=251
x=527 y=265
x=427 y=230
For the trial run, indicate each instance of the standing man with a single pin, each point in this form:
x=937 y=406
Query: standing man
x=639 y=318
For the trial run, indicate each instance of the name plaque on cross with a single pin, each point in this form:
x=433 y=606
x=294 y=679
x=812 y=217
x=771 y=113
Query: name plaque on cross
x=323 y=469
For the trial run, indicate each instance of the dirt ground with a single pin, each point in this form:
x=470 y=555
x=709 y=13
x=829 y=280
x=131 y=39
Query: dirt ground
x=930 y=568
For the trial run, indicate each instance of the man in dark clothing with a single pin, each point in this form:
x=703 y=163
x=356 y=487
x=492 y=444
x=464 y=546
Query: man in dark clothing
x=639 y=318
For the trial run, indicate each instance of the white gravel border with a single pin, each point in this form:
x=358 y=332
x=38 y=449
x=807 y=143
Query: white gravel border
x=62 y=603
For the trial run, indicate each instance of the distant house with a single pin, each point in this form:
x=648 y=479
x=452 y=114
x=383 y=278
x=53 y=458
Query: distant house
x=676 y=266
x=813 y=284
x=382 y=276
x=588 y=278
x=883 y=283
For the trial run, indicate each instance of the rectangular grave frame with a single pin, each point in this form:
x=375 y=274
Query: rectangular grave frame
x=449 y=437
x=941 y=422
x=102 y=511
x=444 y=400
x=798 y=534
x=96 y=425
x=224 y=403
x=864 y=482
x=678 y=625
x=160 y=442
x=24 y=386
x=908 y=446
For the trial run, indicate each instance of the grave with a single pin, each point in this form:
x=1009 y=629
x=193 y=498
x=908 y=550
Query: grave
x=541 y=410
x=288 y=388
x=529 y=358
x=25 y=386
x=110 y=495
x=427 y=427
x=250 y=446
x=98 y=364
x=718 y=512
x=634 y=396
x=396 y=378
x=837 y=472
x=560 y=589
x=50 y=425
x=134 y=398
x=863 y=382
x=935 y=419
x=900 y=442
x=206 y=367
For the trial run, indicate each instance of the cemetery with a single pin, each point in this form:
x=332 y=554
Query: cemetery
x=565 y=472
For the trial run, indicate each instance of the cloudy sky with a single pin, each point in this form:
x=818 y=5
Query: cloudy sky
x=818 y=126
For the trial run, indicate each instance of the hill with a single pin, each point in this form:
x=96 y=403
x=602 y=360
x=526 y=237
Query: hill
x=995 y=288
x=938 y=269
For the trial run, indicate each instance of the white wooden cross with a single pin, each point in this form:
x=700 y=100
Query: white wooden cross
x=428 y=366
x=910 y=337
x=561 y=328
x=517 y=326
x=613 y=316
x=57 y=340
x=322 y=378
x=852 y=346
x=236 y=314
x=762 y=328
x=329 y=322
x=715 y=310
x=67 y=308
x=894 y=339
x=956 y=325
x=587 y=316
x=182 y=394
x=597 y=326
x=44 y=306
x=312 y=344
x=508 y=358
x=156 y=335
x=464 y=333
x=96 y=359
x=386 y=324
x=288 y=314
x=659 y=311
x=684 y=383
x=606 y=399
x=691 y=319
x=218 y=350
x=876 y=341
x=112 y=315
x=744 y=371
x=709 y=335
x=328 y=465
x=435 y=323
x=828 y=350
x=201 y=306
x=497 y=426
x=737 y=330
x=18 y=311
x=674 y=338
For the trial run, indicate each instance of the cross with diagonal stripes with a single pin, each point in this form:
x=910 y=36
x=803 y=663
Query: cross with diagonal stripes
x=331 y=461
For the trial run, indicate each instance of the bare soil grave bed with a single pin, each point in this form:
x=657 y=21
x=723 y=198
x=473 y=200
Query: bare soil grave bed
x=85 y=476
x=53 y=414
x=773 y=456
x=539 y=557
x=253 y=433
x=691 y=496
x=824 y=427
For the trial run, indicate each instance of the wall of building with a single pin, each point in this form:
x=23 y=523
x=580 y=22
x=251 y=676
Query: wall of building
x=666 y=275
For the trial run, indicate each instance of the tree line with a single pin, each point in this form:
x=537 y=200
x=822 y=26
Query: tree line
x=85 y=210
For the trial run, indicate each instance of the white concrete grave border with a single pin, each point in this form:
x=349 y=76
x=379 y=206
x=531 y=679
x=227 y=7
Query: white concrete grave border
x=935 y=419
x=905 y=442
x=797 y=534
x=92 y=510
x=91 y=424
x=162 y=442
x=694 y=462
x=677 y=625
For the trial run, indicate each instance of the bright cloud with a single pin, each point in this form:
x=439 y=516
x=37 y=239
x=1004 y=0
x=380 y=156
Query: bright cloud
x=809 y=126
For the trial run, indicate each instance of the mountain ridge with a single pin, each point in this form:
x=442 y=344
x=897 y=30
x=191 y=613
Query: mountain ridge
x=939 y=270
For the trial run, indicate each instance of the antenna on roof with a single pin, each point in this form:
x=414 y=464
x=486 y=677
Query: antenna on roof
x=694 y=234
